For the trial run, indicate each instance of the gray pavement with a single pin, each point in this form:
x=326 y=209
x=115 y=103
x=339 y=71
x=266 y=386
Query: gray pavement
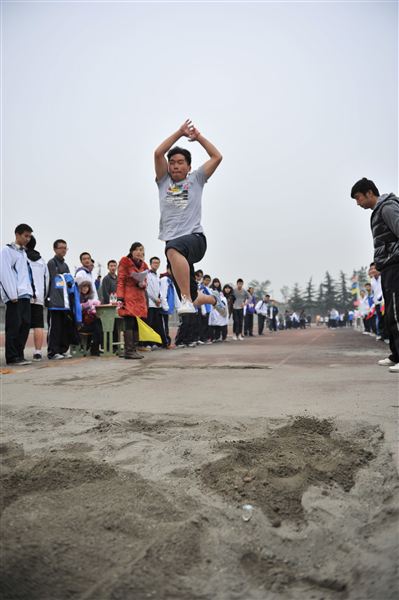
x=319 y=372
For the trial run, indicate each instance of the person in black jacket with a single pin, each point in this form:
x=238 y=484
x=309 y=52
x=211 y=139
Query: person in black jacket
x=60 y=319
x=385 y=230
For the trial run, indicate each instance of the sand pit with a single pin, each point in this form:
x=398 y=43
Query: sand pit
x=108 y=505
x=125 y=482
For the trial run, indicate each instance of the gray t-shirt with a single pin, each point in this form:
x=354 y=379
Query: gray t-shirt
x=180 y=205
x=240 y=297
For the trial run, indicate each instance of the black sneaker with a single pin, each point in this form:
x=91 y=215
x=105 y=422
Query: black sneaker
x=21 y=362
x=37 y=356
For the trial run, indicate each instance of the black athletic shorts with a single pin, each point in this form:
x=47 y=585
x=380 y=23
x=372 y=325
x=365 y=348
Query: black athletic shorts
x=36 y=316
x=193 y=248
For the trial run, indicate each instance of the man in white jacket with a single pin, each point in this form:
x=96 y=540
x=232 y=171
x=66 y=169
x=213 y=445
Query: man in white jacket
x=16 y=292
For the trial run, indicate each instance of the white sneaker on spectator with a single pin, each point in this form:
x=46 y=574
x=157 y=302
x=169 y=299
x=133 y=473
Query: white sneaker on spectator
x=67 y=354
x=192 y=345
x=186 y=307
x=219 y=306
x=365 y=333
x=58 y=357
x=200 y=343
x=378 y=337
x=235 y=337
x=395 y=368
x=241 y=338
x=386 y=362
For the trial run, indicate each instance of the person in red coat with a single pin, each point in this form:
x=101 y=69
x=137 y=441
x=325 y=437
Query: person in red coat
x=130 y=292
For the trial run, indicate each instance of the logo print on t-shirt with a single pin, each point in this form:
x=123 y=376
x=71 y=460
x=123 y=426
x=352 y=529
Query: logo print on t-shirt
x=177 y=194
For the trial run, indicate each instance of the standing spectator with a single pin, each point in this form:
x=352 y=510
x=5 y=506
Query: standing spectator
x=272 y=316
x=169 y=302
x=61 y=305
x=16 y=292
x=302 y=319
x=229 y=295
x=375 y=279
x=371 y=316
x=131 y=295
x=249 y=313
x=262 y=309
x=204 y=311
x=41 y=282
x=241 y=297
x=385 y=230
x=86 y=272
x=154 y=300
x=108 y=285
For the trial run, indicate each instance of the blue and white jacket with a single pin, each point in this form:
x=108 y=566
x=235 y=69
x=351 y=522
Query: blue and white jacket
x=15 y=274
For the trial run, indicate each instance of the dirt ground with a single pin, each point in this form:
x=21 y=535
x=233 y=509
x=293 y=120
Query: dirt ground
x=109 y=498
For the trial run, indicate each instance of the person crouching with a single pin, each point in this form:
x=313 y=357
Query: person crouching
x=91 y=324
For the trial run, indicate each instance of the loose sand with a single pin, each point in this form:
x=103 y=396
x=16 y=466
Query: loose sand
x=126 y=481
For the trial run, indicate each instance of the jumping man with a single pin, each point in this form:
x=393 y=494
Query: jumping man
x=180 y=197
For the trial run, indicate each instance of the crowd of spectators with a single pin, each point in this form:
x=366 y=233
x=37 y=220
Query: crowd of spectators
x=28 y=284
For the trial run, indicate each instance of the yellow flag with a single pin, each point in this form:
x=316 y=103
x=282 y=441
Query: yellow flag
x=146 y=333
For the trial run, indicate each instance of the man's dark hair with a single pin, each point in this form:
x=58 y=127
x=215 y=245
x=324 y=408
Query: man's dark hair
x=363 y=186
x=267 y=295
x=183 y=151
x=206 y=277
x=84 y=254
x=55 y=245
x=199 y=272
x=20 y=229
x=155 y=258
x=240 y=280
x=372 y=264
x=111 y=261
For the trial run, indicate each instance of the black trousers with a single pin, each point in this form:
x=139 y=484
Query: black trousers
x=185 y=332
x=204 y=327
x=249 y=324
x=95 y=329
x=61 y=331
x=390 y=290
x=273 y=324
x=154 y=320
x=17 y=328
x=165 y=321
x=238 y=318
x=261 y=324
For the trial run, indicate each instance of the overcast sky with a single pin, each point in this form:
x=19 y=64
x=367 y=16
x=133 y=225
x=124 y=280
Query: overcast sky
x=301 y=98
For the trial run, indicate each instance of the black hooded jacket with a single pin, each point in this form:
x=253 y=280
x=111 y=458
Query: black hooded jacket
x=385 y=229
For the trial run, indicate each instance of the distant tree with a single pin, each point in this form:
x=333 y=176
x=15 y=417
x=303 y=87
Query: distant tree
x=320 y=308
x=261 y=287
x=363 y=277
x=285 y=293
x=344 y=296
x=309 y=299
x=296 y=300
x=330 y=294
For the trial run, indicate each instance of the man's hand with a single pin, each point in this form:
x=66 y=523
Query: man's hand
x=189 y=131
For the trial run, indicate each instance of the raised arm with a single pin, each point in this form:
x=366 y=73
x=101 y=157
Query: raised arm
x=215 y=157
x=161 y=164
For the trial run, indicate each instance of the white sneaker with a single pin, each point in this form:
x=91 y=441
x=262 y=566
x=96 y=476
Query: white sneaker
x=67 y=354
x=58 y=357
x=219 y=306
x=240 y=337
x=395 y=368
x=378 y=338
x=386 y=362
x=365 y=333
x=235 y=338
x=200 y=343
x=186 y=307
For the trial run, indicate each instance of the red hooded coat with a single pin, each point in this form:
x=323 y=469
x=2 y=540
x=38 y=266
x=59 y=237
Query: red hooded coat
x=135 y=302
